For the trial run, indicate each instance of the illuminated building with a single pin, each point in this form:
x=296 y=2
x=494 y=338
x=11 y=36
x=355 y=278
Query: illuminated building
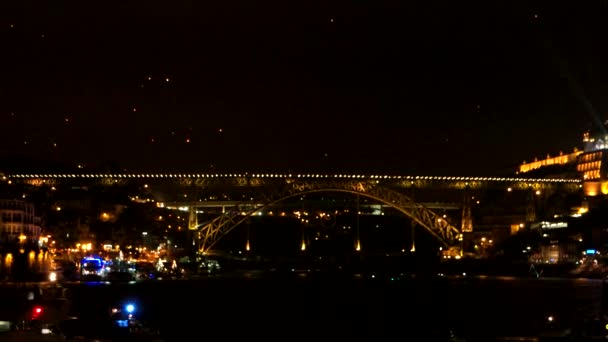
x=561 y=159
x=559 y=250
x=17 y=219
x=591 y=163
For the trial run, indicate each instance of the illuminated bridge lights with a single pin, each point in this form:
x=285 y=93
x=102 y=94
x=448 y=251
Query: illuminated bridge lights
x=304 y=176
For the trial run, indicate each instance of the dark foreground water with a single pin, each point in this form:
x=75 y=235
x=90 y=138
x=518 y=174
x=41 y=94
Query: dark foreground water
x=304 y=307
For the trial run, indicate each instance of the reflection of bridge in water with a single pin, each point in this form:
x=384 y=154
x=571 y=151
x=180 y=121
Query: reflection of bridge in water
x=242 y=195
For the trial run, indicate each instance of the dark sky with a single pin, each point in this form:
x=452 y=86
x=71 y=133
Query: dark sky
x=408 y=87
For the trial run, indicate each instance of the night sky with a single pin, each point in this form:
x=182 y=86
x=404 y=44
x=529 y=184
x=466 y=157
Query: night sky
x=444 y=88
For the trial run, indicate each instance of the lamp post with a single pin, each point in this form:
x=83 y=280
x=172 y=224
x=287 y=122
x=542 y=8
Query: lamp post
x=143 y=238
x=604 y=306
x=22 y=239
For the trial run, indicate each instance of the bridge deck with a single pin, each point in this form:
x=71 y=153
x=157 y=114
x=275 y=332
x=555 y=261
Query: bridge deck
x=288 y=176
x=228 y=204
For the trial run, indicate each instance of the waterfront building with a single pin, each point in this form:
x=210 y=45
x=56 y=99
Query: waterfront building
x=18 y=221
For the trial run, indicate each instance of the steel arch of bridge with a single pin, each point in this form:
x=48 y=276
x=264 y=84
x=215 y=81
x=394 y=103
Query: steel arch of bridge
x=211 y=232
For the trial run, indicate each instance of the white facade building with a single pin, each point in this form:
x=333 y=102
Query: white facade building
x=17 y=218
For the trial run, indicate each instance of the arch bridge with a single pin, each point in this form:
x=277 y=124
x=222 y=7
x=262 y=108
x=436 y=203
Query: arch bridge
x=271 y=188
x=211 y=232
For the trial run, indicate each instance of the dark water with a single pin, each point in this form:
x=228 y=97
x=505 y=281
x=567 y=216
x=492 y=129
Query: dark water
x=305 y=307
x=25 y=265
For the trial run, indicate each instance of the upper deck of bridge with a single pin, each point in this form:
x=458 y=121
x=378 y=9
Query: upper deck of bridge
x=287 y=176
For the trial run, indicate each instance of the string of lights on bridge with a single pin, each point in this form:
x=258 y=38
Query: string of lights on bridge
x=267 y=175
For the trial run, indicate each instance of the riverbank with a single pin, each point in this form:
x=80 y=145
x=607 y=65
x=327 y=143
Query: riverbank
x=491 y=267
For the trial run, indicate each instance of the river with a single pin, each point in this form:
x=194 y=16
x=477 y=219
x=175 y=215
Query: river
x=305 y=306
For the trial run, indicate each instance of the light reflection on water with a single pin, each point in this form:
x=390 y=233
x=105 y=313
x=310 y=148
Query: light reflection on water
x=23 y=262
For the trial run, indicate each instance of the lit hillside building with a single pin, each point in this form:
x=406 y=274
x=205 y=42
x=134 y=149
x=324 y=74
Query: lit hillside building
x=591 y=164
x=561 y=159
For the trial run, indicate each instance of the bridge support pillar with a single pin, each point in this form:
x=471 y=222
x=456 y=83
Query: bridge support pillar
x=531 y=207
x=192 y=226
x=466 y=224
x=358 y=241
x=413 y=249
x=247 y=245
